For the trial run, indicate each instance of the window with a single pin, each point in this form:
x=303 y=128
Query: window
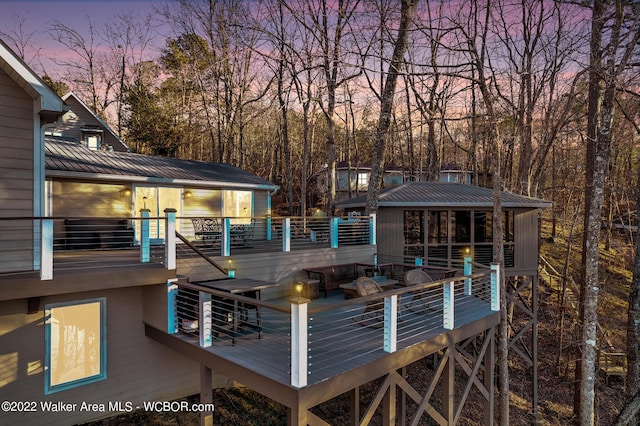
x=93 y=142
x=238 y=205
x=461 y=226
x=438 y=227
x=75 y=344
x=483 y=227
x=363 y=181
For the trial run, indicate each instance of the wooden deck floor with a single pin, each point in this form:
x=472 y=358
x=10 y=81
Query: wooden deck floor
x=337 y=344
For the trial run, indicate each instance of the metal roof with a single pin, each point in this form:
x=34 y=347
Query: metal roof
x=66 y=158
x=444 y=194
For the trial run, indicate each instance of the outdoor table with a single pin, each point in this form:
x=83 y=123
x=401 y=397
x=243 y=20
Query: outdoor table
x=350 y=291
x=247 y=287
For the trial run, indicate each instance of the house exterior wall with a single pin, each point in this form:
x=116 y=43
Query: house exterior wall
x=526 y=243
x=138 y=369
x=87 y=199
x=77 y=117
x=16 y=175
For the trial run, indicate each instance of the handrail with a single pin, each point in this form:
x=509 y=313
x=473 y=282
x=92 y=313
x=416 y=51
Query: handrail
x=200 y=253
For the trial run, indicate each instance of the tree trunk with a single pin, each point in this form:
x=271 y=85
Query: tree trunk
x=386 y=105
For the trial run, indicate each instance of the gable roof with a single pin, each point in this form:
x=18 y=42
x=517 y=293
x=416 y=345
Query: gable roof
x=444 y=194
x=100 y=121
x=24 y=76
x=66 y=158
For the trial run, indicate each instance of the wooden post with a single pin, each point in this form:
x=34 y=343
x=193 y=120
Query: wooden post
x=447 y=306
x=204 y=319
x=354 y=412
x=170 y=239
x=286 y=234
x=495 y=287
x=390 y=323
x=389 y=405
x=145 y=248
x=46 y=249
x=489 y=369
x=299 y=341
x=448 y=384
x=206 y=395
x=468 y=270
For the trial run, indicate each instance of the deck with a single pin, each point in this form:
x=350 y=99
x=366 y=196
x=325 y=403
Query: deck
x=343 y=352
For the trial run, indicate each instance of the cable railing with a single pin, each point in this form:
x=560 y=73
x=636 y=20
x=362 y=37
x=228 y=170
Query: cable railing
x=305 y=341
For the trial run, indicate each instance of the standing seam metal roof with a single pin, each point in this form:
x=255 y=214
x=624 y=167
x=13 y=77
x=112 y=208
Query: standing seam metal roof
x=67 y=157
x=445 y=194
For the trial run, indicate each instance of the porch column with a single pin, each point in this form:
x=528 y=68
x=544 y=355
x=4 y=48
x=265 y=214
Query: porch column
x=390 y=323
x=495 y=287
x=206 y=395
x=489 y=380
x=46 y=249
x=468 y=270
x=170 y=238
x=299 y=341
x=447 y=306
x=144 y=235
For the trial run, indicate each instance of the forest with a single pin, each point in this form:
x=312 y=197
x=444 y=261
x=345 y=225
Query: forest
x=543 y=96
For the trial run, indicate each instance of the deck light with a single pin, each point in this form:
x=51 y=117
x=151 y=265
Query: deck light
x=231 y=271
x=299 y=287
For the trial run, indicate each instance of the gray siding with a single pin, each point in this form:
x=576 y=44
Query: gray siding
x=138 y=369
x=526 y=244
x=16 y=176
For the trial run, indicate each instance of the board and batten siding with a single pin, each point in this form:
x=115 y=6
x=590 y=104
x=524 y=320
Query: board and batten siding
x=526 y=241
x=390 y=232
x=16 y=176
x=138 y=368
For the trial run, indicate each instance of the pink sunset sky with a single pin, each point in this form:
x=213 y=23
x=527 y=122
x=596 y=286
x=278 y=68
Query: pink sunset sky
x=36 y=17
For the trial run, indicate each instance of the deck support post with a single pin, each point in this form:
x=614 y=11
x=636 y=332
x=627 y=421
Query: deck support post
x=170 y=239
x=354 y=406
x=286 y=234
x=172 y=306
x=390 y=323
x=225 y=245
x=205 y=320
x=145 y=248
x=489 y=380
x=206 y=395
x=299 y=342
x=495 y=287
x=468 y=270
x=46 y=249
x=447 y=306
x=297 y=416
x=389 y=405
x=333 y=232
x=448 y=384
x=373 y=223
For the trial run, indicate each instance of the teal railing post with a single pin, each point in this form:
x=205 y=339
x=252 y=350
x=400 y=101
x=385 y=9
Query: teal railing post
x=333 y=232
x=145 y=248
x=205 y=324
x=495 y=287
x=46 y=249
x=468 y=270
x=170 y=238
x=373 y=224
x=226 y=237
x=172 y=306
x=418 y=261
x=286 y=234
x=390 y=323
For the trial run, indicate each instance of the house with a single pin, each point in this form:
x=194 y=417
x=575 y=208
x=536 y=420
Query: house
x=81 y=123
x=353 y=181
x=100 y=260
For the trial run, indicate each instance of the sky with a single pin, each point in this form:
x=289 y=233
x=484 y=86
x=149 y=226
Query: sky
x=38 y=15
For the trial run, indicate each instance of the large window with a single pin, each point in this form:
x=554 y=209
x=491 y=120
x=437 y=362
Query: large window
x=75 y=344
x=238 y=205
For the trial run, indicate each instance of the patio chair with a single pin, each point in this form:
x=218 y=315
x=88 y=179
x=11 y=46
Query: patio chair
x=421 y=299
x=372 y=315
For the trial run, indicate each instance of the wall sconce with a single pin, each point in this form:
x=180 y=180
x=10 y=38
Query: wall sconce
x=187 y=194
x=299 y=287
x=125 y=192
